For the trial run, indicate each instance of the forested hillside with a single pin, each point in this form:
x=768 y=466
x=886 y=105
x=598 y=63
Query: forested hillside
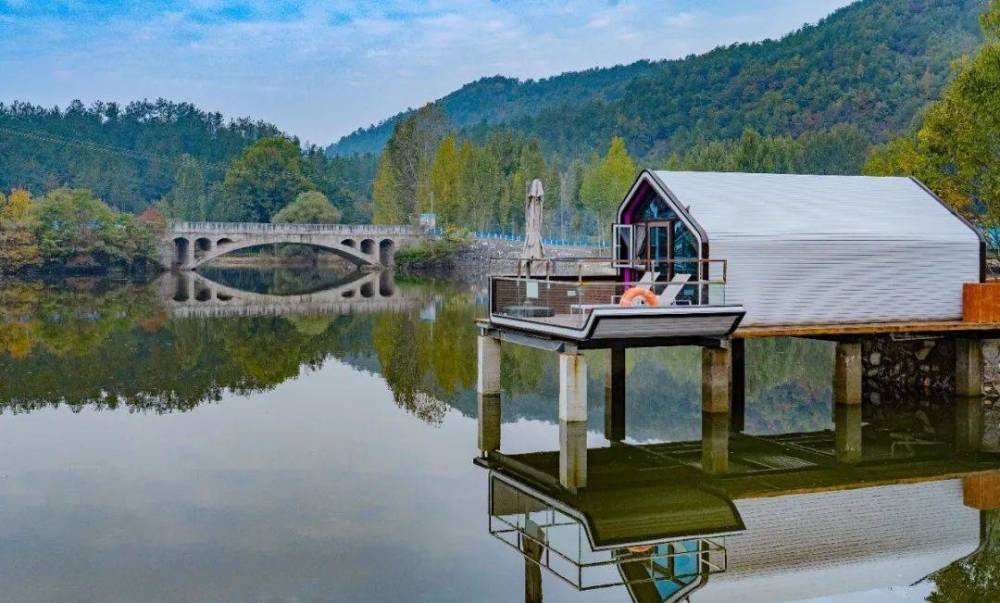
x=137 y=155
x=498 y=99
x=128 y=155
x=873 y=64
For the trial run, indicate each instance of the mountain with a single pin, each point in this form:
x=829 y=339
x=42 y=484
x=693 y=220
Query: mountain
x=873 y=64
x=498 y=99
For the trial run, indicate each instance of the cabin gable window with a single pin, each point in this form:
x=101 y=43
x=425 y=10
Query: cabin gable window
x=653 y=235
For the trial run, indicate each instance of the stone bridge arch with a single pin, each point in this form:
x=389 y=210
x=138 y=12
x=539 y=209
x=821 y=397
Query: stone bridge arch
x=348 y=253
x=188 y=245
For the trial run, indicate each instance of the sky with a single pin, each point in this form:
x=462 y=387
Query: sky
x=319 y=70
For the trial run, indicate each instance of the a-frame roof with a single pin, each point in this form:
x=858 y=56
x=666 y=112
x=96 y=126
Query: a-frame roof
x=786 y=206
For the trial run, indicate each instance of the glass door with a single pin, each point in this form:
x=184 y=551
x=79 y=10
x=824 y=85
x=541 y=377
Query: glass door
x=660 y=249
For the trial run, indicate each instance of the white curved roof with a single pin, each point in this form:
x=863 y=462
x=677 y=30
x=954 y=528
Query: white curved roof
x=786 y=206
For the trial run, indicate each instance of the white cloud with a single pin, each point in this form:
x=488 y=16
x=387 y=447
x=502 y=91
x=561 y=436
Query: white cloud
x=683 y=19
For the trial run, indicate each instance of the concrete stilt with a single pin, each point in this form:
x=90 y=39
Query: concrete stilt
x=532 y=570
x=716 y=380
x=488 y=359
x=968 y=423
x=739 y=385
x=614 y=397
x=715 y=442
x=968 y=367
x=847 y=432
x=847 y=373
x=489 y=423
x=572 y=387
x=573 y=454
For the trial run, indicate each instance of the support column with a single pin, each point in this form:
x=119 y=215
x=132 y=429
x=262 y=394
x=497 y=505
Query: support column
x=716 y=380
x=968 y=367
x=847 y=432
x=489 y=423
x=188 y=255
x=739 y=385
x=533 y=552
x=968 y=423
x=715 y=442
x=488 y=366
x=572 y=387
x=847 y=373
x=573 y=454
x=614 y=396
x=189 y=287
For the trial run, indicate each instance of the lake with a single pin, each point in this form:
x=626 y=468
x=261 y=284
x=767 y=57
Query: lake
x=279 y=435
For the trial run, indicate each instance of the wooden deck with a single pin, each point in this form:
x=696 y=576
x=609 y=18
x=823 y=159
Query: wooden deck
x=980 y=329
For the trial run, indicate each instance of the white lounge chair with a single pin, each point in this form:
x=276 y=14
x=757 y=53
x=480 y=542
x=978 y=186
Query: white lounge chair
x=674 y=288
x=667 y=298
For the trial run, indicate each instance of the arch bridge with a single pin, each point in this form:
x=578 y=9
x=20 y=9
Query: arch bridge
x=187 y=245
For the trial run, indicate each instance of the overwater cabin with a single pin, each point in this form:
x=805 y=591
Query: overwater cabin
x=804 y=249
x=696 y=254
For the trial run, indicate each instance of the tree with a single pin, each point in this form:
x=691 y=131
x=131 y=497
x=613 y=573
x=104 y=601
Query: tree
x=75 y=229
x=480 y=186
x=446 y=175
x=606 y=180
x=15 y=208
x=267 y=177
x=386 y=208
x=402 y=183
x=311 y=207
x=956 y=151
x=188 y=199
x=976 y=577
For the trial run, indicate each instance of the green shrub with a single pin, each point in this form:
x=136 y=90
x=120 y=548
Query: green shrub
x=437 y=254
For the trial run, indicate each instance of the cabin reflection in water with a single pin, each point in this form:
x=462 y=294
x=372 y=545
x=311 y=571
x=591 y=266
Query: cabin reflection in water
x=789 y=517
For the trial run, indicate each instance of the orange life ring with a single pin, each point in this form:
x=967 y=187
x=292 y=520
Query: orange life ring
x=630 y=296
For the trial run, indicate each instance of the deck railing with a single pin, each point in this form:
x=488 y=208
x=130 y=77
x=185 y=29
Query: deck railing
x=561 y=546
x=565 y=291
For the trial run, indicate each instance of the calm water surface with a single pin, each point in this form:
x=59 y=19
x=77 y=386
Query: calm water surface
x=184 y=441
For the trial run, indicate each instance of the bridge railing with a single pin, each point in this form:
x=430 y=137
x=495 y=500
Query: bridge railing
x=196 y=228
x=519 y=238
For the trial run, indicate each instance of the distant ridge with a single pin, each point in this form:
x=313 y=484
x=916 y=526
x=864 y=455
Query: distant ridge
x=499 y=99
x=873 y=64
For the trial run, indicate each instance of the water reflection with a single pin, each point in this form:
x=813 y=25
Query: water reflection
x=273 y=293
x=888 y=501
x=136 y=345
x=332 y=434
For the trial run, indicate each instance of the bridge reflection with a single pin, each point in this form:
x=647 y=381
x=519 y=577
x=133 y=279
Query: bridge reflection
x=194 y=295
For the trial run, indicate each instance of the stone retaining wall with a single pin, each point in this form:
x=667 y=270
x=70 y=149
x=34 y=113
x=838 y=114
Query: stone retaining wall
x=898 y=369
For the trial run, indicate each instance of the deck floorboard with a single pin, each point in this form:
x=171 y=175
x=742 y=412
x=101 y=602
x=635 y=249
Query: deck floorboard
x=870 y=328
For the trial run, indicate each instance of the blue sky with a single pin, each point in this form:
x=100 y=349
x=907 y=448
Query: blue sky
x=322 y=69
